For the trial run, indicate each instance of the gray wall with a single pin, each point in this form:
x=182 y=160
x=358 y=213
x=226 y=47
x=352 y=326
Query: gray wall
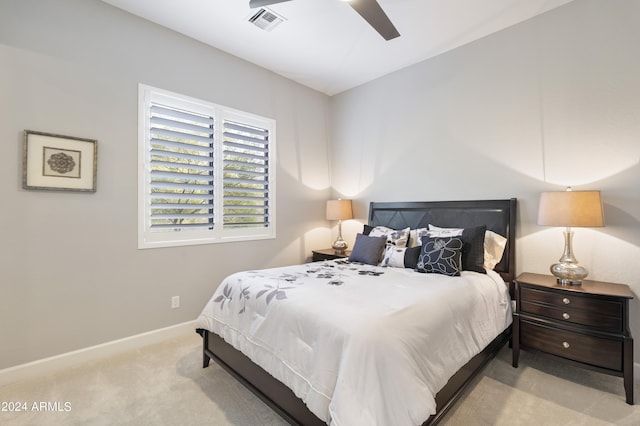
x=551 y=102
x=71 y=275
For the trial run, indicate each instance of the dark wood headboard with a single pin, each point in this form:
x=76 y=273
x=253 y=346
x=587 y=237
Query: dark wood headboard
x=498 y=215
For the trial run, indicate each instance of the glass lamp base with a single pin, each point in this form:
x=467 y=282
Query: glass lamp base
x=340 y=246
x=569 y=273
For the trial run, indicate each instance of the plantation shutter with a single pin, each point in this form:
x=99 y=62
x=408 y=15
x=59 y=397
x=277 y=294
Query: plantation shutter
x=246 y=176
x=204 y=172
x=181 y=169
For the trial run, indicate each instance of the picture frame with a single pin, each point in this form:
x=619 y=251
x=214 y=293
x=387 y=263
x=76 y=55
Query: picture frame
x=59 y=163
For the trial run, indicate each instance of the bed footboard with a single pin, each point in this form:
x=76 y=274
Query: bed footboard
x=284 y=402
x=271 y=391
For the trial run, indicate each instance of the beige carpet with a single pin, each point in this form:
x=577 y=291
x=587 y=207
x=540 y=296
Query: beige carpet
x=164 y=384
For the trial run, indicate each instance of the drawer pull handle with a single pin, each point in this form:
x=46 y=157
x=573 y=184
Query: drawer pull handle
x=566 y=345
x=566 y=315
x=566 y=300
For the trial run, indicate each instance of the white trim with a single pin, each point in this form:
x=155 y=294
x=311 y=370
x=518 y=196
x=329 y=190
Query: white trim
x=56 y=363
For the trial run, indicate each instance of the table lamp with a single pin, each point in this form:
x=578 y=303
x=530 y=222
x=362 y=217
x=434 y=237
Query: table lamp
x=339 y=210
x=570 y=209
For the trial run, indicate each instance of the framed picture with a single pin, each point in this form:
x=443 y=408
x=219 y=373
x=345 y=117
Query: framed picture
x=59 y=163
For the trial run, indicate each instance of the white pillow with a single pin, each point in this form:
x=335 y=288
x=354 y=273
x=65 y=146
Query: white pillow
x=395 y=237
x=494 y=244
x=393 y=256
x=435 y=231
x=415 y=236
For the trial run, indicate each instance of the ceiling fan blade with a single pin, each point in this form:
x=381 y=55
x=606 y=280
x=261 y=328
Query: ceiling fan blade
x=371 y=11
x=259 y=3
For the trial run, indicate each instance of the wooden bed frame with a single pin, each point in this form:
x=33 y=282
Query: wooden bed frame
x=498 y=215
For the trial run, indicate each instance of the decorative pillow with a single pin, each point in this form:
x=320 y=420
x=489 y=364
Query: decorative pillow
x=456 y=231
x=445 y=232
x=394 y=256
x=494 y=245
x=398 y=238
x=411 y=256
x=473 y=249
x=415 y=236
x=367 y=249
x=440 y=256
x=473 y=245
x=401 y=257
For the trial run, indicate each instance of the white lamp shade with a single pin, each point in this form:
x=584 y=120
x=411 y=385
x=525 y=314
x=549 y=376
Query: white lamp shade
x=571 y=209
x=339 y=210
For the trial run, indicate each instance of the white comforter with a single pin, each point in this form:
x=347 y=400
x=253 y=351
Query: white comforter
x=360 y=345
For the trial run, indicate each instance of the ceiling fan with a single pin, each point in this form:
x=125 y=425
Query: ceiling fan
x=370 y=10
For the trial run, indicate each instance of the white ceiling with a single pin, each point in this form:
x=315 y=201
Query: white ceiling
x=325 y=44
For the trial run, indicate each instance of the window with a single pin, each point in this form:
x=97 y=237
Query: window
x=205 y=172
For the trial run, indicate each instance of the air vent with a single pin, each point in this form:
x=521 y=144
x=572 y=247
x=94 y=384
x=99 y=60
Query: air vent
x=265 y=19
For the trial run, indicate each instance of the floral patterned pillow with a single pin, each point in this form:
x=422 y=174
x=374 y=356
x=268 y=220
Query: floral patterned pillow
x=393 y=256
x=494 y=244
x=401 y=257
x=472 y=245
x=440 y=256
x=415 y=236
x=398 y=238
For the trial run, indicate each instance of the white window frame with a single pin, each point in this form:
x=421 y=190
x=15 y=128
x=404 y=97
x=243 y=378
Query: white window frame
x=152 y=238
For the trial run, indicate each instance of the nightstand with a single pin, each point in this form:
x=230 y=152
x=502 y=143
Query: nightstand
x=587 y=325
x=328 y=254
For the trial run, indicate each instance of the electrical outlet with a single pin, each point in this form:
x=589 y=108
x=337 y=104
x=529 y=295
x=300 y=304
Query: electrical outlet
x=175 y=302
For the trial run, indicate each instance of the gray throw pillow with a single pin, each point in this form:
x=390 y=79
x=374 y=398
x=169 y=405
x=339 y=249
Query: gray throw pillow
x=367 y=249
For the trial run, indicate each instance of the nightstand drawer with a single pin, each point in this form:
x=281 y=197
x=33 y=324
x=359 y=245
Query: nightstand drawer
x=575 y=316
x=592 y=350
x=572 y=300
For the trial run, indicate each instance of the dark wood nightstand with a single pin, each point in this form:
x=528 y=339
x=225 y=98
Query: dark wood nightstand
x=328 y=254
x=587 y=325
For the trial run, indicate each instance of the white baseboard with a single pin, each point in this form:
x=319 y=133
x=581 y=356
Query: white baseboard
x=55 y=363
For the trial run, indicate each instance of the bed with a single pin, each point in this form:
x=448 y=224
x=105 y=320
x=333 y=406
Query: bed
x=332 y=354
